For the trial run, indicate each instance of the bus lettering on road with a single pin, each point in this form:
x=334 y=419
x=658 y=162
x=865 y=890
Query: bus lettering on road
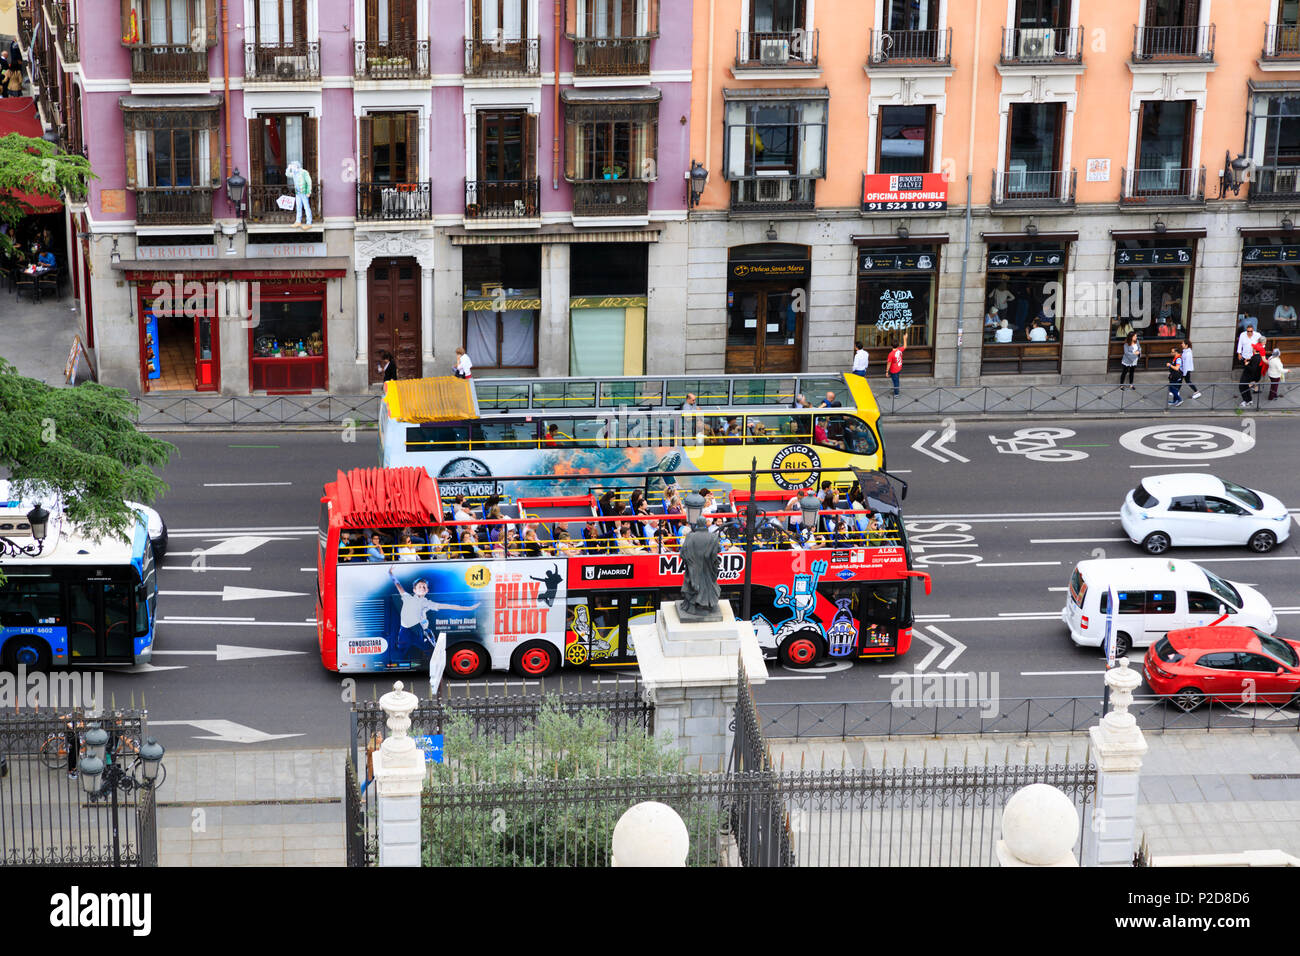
x=936 y=543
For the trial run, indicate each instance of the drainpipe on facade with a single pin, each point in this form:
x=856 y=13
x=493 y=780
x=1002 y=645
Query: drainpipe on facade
x=555 y=116
x=225 y=74
x=708 y=98
x=970 y=175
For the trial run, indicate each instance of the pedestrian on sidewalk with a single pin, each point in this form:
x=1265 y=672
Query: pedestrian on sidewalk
x=1246 y=343
x=894 y=363
x=1129 y=361
x=1250 y=376
x=464 y=366
x=387 y=366
x=13 y=85
x=860 y=359
x=1188 y=367
x=1276 y=372
x=1175 y=366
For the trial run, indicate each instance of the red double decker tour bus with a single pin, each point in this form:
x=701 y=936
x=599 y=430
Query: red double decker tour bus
x=531 y=584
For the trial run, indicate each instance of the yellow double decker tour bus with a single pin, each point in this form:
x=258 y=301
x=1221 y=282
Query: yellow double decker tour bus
x=470 y=433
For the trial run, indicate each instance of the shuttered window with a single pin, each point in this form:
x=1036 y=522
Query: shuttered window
x=172 y=149
x=170 y=23
x=618 y=139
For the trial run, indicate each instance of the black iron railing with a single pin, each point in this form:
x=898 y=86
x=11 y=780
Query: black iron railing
x=264 y=205
x=405 y=59
x=1173 y=43
x=1275 y=184
x=286 y=63
x=1168 y=184
x=1281 y=40
x=394 y=202
x=796 y=49
x=611 y=197
x=56 y=15
x=611 y=56
x=775 y=194
x=168 y=64
x=1036 y=45
x=909 y=47
x=499 y=57
x=1032 y=187
x=502 y=199
x=29 y=14
x=161 y=206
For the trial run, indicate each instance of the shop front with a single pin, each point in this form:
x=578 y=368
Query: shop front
x=897 y=296
x=1024 y=303
x=1269 y=298
x=178 y=335
x=1153 y=281
x=289 y=347
x=767 y=307
x=607 y=308
x=502 y=305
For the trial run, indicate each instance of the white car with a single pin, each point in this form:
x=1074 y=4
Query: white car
x=1193 y=509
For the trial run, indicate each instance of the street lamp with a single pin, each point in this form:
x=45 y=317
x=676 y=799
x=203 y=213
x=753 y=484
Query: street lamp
x=810 y=505
x=1235 y=171
x=103 y=776
x=38 y=520
x=235 y=186
x=698 y=177
x=694 y=508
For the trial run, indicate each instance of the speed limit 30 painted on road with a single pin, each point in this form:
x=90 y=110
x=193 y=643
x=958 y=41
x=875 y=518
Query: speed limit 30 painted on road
x=1190 y=442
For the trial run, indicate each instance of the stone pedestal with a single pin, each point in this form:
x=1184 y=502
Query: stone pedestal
x=1117 y=746
x=689 y=672
x=399 y=777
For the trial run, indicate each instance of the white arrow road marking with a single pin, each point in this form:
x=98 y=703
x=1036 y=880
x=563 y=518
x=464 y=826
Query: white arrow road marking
x=232 y=593
x=226 y=731
x=232 y=652
x=925 y=451
x=937 y=650
x=942 y=445
x=957 y=647
x=150 y=668
x=241 y=544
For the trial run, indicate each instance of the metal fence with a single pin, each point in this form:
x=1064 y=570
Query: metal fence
x=171 y=409
x=757 y=817
x=46 y=819
x=1021 y=715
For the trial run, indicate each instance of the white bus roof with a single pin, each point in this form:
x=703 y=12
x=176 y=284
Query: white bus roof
x=64 y=544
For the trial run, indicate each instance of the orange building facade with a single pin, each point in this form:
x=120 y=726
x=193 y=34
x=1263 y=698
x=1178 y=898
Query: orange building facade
x=1132 y=164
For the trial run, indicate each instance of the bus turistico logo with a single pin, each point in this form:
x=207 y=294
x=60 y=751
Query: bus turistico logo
x=228 y=300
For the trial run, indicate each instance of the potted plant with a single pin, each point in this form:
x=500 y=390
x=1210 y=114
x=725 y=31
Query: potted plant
x=613 y=172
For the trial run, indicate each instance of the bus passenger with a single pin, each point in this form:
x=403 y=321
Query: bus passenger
x=493 y=531
x=532 y=545
x=875 y=527
x=801 y=401
x=564 y=546
x=354 y=549
x=626 y=545
x=376 y=550
x=552 y=437
x=406 y=549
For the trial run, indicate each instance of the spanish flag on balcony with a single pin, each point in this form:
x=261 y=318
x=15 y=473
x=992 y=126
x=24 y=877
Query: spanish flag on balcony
x=133 y=34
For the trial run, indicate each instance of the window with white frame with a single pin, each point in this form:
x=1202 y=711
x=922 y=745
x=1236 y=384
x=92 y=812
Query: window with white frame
x=613 y=18
x=775 y=138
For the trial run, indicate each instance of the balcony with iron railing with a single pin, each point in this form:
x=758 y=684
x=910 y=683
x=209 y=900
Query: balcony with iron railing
x=400 y=59
x=394 y=202
x=502 y=201
x=502 y=58
x=1042 y=46
x=1281 y=41
x=1166 y=186
x=773 y=195
x=166 y=206
x=596 y=198
x=29 y=15
x=796 y=50
x=1275 y=184
x=168 y=64
x=1033 y=189
x=611 y=56
x=901 y=48
x=1173 y=44
x=56 y=15
x=283 y=63
x=264 y=202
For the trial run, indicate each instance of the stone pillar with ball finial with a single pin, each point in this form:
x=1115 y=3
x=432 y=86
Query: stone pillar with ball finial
x=399 y=777
x=1117 y=746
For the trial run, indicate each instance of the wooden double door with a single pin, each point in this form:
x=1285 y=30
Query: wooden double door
x=393 y=293
x=764 y=328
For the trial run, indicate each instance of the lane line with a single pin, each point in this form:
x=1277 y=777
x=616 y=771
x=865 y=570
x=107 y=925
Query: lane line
x=1058 y=589
x=1061 y=673
x=190 y=567
x=1285 y=557
x=245 y=484
x=1177 y=464
x=194 y=617
x=1071 y=540
x=1016 y=564
x=279 y=529
x=1005 y=620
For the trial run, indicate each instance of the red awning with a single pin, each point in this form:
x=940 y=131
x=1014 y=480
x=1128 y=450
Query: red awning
x=18 y=115
x=384 y=497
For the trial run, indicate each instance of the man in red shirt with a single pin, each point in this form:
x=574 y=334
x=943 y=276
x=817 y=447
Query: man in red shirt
x=894 y=363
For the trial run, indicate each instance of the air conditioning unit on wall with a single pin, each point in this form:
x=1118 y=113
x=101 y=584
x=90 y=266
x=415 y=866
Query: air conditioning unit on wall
x=287 y=67
x=772 y=189
x=1037 y=44
x=774 y=52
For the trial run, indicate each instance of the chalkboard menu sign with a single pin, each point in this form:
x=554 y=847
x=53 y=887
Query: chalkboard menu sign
x=1154 y=257
x=1027 y=259
x=896 y=309
x=920 y=261
x=1267 y=254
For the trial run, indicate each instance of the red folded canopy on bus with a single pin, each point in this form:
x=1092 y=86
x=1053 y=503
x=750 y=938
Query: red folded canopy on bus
x=383 y=497
x=18 y=115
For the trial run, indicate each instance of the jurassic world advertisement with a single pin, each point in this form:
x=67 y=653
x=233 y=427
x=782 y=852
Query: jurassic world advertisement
x=471 y=474
x=390 y=615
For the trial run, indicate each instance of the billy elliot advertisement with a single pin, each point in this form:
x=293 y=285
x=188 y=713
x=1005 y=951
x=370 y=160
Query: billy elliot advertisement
x=390 y=615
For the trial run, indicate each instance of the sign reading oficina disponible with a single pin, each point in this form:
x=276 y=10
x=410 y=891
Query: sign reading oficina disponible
x=897 y=192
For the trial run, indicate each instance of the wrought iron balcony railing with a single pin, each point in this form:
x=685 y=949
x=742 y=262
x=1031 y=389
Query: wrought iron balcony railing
x=404 y=59
x=794 y=50
x=164 y=206
x=502 y=199
x=56 y=15
x=611 y=197
x=611 y=56
x=910 y=47
x=282 y=62
x=1032 y=187
x=264 y=206
x=1173 y=43
x=394 y=202
x=496 y=58
x=1281 y=41
x=1275 y=184
x=773 y=194
x=1042 y=45
x=1167 y=185
x=168 y=64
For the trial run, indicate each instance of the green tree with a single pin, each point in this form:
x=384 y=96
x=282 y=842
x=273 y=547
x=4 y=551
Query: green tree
x=32 y=165
x=83 y=443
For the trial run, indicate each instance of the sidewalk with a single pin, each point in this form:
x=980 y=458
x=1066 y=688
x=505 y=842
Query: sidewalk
x=36 y=337
x=1200 y=792
x=252 y=808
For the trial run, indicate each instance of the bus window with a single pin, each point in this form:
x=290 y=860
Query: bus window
x=706 y=392
x=880 y=614
x=436 y=437
x=505 y=435
x=845 y=431
x=31 y=602
x=774 y=429
x=82 y=627
x=557 y=432
x=588 y=432
x=118 y=623
x=564 y=394
x=635 y=392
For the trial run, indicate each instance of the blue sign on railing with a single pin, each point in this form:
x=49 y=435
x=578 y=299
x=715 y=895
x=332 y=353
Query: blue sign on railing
x=431 y=744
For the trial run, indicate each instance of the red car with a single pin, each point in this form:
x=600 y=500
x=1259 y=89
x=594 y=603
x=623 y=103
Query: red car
x=1231 y=665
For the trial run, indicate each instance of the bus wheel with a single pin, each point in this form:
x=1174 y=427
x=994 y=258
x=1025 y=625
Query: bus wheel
x=31 y=652
x=466 y=661
x=535 y=660
x=801 y=650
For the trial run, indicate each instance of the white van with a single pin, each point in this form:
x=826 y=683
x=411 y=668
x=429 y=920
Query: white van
x=1155 y=596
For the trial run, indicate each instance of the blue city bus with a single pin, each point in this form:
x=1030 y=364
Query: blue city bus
x=78 y=600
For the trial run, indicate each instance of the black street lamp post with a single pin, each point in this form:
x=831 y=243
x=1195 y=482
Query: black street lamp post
x=98 y=763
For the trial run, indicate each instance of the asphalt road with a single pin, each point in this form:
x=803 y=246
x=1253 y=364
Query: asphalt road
x=998 y=519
